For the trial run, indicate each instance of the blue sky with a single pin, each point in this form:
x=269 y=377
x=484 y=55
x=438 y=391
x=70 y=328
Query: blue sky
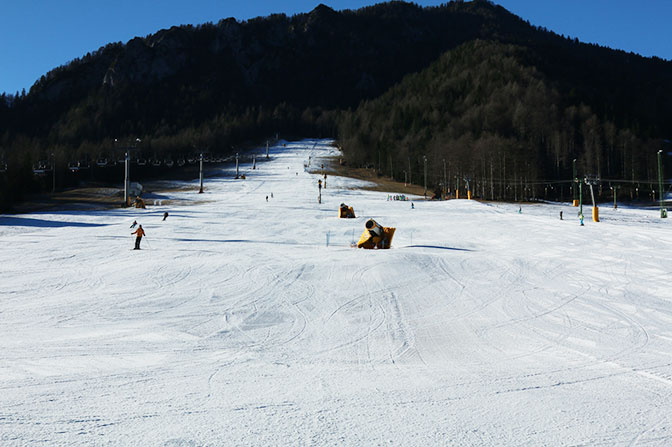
x=38 y=35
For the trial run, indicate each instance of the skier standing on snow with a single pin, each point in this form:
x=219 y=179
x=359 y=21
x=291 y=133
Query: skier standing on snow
x=165 y=215
x=135 y=222
x=139 y=232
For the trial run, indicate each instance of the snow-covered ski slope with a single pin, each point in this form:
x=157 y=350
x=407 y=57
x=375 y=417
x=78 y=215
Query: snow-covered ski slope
x=237 y=324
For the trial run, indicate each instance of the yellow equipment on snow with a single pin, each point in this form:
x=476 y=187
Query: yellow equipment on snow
x=345 y=212
x=139 y=203
x=376 y=236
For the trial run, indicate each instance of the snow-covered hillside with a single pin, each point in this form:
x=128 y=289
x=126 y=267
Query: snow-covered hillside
x=252 y=322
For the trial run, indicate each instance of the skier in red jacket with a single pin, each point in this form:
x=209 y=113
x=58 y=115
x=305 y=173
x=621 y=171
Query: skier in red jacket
x=139 y=232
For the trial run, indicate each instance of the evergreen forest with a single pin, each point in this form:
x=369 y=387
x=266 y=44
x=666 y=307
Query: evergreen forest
x=465 y=92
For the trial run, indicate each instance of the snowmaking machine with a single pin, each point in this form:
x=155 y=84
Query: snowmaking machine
x=376 y=236
x=346 y=212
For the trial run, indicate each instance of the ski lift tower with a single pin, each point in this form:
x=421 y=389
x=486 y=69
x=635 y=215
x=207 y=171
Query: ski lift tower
x=592 y=180
x=467 y=180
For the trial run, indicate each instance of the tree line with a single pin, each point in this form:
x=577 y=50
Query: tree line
x=485 y=114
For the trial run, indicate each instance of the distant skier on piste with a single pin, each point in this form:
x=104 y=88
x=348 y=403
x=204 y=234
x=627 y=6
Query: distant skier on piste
x=139 y=233
x=165 y=215
x=135 y=222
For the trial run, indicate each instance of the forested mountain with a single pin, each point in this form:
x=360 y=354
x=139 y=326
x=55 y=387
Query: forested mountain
x=208 y=87
x=502 y=116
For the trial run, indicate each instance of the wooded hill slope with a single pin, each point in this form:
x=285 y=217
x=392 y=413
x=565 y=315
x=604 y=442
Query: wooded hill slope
x=208 y=87
x=502 y=116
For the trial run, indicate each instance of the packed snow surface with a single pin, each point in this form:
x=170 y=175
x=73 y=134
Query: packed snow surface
x=244 y=321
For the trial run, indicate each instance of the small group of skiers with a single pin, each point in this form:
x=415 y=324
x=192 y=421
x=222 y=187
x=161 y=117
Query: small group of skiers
x=139 y=233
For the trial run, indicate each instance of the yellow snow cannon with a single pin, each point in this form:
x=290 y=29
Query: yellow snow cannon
x=346 y=212
x=139 y=203
x=375 y=236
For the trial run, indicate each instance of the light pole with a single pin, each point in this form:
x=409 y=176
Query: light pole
x=53 y=173
x=663 y=211
x=127 y=160
x=266 y=148
x=615 y=188
x=492 y=181
x=445 y=185
x=236 y=164
x=581 y=201
x=410 y=173
x=424 y=160
x=127 y=170
x=200 y=191
x=575 y=179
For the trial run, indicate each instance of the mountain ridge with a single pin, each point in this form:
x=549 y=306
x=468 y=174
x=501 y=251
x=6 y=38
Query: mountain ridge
x=216 y=85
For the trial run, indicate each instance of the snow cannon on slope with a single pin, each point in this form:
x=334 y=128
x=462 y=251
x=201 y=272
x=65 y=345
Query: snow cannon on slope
x=376 y=236
x=139 y=203
x=346 y=212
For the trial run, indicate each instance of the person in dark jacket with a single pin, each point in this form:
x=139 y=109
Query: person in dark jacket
x=165 y=215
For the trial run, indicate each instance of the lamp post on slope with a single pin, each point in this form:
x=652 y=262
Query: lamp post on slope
x=127 y=160
x=200 y=190
x=445 y=184
x=575 y=179
x=53 y=172
x=615 y=188
x=424 y=160
x=663 y=211
x=127 y=171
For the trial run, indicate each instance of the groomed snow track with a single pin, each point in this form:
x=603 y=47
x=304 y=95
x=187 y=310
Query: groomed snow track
x=237 y=324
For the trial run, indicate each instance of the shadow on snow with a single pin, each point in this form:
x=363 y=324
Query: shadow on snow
x=42 y=223
x=438 y=247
